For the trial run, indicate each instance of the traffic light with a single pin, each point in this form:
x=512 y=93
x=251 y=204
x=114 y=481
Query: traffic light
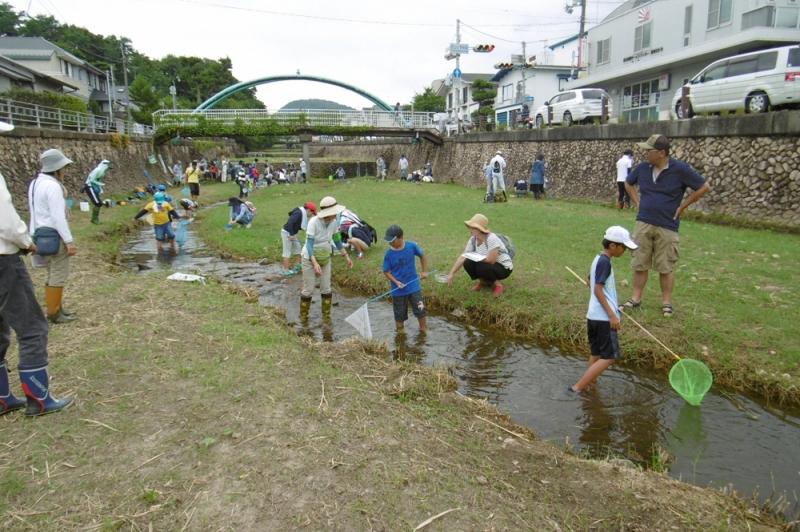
x=483 y=48
x=504 y=66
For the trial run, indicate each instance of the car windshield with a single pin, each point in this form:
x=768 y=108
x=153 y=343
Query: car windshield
x=595 y=94
x=794 y=57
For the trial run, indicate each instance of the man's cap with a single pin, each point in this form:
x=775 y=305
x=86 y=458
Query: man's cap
x=53 y=160
x=159 y=197
x=162 y=187
x=627 y=152
x=499 y=152
x=310 y=206
x=5 y=126
x=620 y=235
x=655 y=142
x=393 y=233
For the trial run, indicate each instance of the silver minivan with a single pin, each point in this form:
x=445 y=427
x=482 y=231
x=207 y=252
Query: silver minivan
x=754 y=82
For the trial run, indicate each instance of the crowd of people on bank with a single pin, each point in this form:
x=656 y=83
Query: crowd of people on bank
x=656 y=186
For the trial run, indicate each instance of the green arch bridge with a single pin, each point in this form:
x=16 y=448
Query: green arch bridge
x=206 y=121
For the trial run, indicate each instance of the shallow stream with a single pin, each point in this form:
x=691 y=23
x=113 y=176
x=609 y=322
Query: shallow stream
x=730 y=439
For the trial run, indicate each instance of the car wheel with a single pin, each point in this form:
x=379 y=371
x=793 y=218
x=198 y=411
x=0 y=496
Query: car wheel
x=568 y=118
x=539 y=122
x=757 y=103
x=679 y=110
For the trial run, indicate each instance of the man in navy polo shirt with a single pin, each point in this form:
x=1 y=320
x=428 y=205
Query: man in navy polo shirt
x=662 y=184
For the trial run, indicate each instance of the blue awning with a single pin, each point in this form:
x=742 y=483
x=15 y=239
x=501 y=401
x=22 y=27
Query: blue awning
x=500 y=75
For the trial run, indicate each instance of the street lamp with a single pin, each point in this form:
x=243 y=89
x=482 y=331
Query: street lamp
x=173 y=90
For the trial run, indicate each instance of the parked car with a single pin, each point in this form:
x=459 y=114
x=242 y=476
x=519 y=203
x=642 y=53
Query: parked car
x=753 y=82
x=578 y=105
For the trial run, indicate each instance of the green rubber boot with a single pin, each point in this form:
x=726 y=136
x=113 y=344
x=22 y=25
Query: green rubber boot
x=305 y=306
x=327 y=301
x=96 y=215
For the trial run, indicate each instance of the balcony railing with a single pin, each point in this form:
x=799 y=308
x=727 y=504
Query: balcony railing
x=771 y=17
x=33 y=115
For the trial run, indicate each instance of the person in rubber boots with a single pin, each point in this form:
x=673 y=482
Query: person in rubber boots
x=94 y=187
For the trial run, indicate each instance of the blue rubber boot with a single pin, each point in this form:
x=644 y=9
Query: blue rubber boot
x=36 y=385
x=8 y=403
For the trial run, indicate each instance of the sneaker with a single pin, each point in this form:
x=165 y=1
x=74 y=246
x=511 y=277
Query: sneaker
x=477 y=286
x=360 y=255
x=289 y=272
x=578 y=392
x=498 y=289
x=298 y=267
x=249 y=226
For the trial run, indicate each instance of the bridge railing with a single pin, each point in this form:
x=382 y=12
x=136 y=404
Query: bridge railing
x=305 y=117
x=33 y=115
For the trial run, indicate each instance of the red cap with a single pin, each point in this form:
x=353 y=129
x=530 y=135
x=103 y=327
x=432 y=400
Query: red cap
x=311 y=207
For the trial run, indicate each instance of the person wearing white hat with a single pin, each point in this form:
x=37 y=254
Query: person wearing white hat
x=603 y=316
x=321 y=234
x=48 y=209
x=20 y=311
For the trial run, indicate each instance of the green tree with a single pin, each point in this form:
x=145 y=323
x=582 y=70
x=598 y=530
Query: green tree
x=142 y=94
x=427 y=101
x=484 y=93
x=41 y=26
x=10 y=20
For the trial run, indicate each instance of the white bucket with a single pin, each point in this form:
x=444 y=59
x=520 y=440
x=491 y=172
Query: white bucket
x=85 y=206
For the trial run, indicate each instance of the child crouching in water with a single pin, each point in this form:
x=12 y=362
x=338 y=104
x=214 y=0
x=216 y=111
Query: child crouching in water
x=398 y=263
x=162 y=212
x=602 y=319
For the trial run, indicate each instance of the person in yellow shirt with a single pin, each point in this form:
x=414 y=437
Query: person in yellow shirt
x=162 y=212
x=192 y=178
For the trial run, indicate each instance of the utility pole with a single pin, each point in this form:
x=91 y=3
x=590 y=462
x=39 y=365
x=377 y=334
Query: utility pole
x=125 y=75
x=581 y=35
x=457 y=81
x=110 y=105
x=524 y=70
x=112 y=92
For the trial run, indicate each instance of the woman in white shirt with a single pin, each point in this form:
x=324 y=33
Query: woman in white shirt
x=49 y=209
x=322 y=233
x=485 y=257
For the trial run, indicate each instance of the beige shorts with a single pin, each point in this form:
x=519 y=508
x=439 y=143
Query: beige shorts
x=58 y=267
x=658 y=248
x=290 y=247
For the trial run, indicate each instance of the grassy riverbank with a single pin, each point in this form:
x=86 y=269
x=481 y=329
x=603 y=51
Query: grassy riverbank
x=734 y=292
x=197 y=409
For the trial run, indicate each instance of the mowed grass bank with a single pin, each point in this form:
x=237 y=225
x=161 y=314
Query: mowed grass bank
x=196 y=409
x=735 y=293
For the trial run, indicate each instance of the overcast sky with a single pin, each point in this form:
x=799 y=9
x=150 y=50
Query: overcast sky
x=391 y=49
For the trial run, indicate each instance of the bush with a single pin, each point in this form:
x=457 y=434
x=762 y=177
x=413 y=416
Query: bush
x=65 y=102
x=115 y=140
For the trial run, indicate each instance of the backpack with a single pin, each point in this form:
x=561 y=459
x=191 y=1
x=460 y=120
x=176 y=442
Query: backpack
x=497 y=168
x=509 y=244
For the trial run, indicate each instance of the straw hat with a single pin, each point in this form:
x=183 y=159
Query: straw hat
x=329 y=207
x=53 y=160
x=479 y=222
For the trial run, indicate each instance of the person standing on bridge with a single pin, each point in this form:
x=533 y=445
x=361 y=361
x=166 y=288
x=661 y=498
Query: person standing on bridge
x=192 y=179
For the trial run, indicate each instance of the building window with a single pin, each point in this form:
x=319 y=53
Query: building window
x=465 y=95
x=603 y=49
x=719 y=13
x=641 y=101
x=450 y=101
x=641 y=38
x=507 y=92
x=687 y=26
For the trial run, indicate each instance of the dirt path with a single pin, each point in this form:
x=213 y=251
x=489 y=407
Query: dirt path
x=198 y=410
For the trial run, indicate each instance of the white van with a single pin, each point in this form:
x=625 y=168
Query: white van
x=755 y=82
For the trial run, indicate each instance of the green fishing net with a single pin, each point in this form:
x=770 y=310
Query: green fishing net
x=691 y=379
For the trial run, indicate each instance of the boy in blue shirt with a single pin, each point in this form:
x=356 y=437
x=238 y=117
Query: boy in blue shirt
x=602 y=319
x=400 y=269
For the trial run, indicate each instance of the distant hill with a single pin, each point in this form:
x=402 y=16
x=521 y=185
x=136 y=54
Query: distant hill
x=314 y=103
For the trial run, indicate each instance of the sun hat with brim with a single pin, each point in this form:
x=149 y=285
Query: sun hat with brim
x=620 y=235
x=53 y=160
x=479 y=222
x=329 y=207
x=5 y=126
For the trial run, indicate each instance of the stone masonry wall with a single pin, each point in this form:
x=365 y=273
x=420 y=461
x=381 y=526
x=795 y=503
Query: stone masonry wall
x=20 y=150
x=752 y=162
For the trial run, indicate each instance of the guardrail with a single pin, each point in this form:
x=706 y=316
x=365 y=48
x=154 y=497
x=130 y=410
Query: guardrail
x=33 y=115
x=304 y=117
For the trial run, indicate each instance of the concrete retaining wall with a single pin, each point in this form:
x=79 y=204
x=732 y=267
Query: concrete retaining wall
x=20 y=149
x=751 y=161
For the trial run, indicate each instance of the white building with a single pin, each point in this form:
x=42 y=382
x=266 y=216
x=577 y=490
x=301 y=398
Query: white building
x=645 y=50
x=458 y=94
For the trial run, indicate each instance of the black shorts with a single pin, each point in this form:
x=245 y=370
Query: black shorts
x=194 y=188
x=400 y=306
x=94 y=197
x=603 y=339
